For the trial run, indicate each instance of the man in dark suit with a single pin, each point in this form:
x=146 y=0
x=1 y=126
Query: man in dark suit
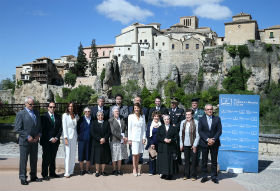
x=176 y=115
x=210 y=130
x=159 y=108
x=28 y=126
x=100 y=107
x=50 y=140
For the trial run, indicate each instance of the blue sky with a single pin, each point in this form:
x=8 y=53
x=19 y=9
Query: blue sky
x=34 y=28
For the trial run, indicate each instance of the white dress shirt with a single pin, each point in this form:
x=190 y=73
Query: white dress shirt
x=187 y=134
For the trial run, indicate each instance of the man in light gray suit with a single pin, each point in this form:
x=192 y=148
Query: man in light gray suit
x=28 y=126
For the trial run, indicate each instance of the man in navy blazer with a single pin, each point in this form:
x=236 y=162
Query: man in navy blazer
x=100 y=107
x=50 y=140
x=210 y=130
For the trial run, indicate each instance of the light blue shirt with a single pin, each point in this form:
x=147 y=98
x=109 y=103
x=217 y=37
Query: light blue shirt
x=209 y=121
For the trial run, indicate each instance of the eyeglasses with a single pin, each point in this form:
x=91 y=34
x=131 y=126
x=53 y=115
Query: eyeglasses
x=87 y=111
x=209 y=109
x=31 y=104
x=52 y=107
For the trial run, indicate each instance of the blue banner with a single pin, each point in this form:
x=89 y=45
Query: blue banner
x=240 y=138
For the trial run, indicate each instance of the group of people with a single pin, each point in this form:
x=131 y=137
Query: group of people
x=104 y=134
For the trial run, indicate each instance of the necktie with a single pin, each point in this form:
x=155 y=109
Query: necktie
x=52 y=118
x=209 y=122
x=33 y=116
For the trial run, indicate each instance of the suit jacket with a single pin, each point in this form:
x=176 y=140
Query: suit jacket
x=94 y=111
x=163 y=110
x=69 y=126
x=97 y=133
x=25 y=126
x=176 y=117
x=116 y=130
x=83 y=129
x=50 y=129
x=205 y=133
x=170 y=134
x=136 y=128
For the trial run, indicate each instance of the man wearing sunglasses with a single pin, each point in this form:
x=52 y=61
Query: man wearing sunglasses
x=50 y=140
x=210 y=130
x=28 y=126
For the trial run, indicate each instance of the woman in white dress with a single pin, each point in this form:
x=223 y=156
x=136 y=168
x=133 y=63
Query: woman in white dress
x=69 y=125
x=136 y=135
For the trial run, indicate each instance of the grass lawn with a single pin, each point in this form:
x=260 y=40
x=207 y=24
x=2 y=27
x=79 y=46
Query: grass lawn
x=7 y=119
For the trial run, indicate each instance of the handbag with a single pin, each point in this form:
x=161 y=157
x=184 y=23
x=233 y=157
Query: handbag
x=152 y=152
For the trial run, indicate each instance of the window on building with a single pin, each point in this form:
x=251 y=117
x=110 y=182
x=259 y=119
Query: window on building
x=156 y=44
x=187 y=46
x=142 y=53
x=140 y=41
x=128 y=48
x=119 y=55
x=103 y=53
x=145 y=40
x=163 y=44
x=271 y=35
x=173 y=46
x=159 y=55
x=197 y=46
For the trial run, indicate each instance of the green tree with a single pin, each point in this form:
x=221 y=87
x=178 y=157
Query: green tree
x=129 y=91
x=8 y=83
x=102 y=76
x=235 y=80
x=70 y=78
x=80 y=67
x=94 y=56
x=145 y=96
x=81 y=94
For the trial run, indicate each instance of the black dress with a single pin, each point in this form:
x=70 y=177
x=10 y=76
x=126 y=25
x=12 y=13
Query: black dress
x=100 y=153
x=167 y=152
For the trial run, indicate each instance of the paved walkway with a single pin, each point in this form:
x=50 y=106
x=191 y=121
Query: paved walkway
x=267 y=179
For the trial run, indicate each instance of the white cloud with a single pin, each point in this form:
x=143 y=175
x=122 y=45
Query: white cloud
x=213 y=11
x=203 y=8
x=123 y=11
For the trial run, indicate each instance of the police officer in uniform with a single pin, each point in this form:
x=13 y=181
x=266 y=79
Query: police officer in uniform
x=198 y=113
x=176 y=116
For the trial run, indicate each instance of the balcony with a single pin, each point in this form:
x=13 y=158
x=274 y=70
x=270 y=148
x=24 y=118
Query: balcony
x=39 y=69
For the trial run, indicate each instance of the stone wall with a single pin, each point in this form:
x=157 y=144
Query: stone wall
x=7 y=96
x=41 y=92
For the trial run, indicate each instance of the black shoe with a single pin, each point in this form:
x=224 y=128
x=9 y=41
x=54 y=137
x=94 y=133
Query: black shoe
x=163 y=176
x=115 y=173
x=97 y=174
x=104 y=174
x=36 y=179
x=120 y=172
x=169 y=177
x=215 y=180
x=24 y=182
x=88 y=172
x=46 y=178
x=204 y=179
x=82 y=173
x=54 y=176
